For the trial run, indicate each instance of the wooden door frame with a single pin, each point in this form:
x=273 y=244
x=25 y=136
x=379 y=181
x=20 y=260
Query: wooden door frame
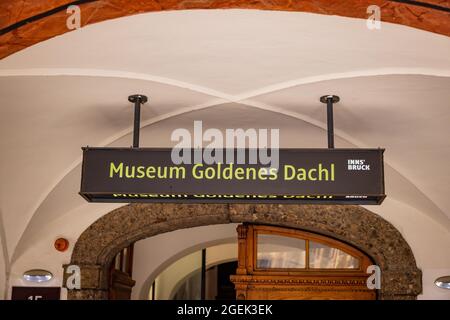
x=252 y=282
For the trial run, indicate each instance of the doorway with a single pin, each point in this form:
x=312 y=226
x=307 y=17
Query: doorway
x=218 y=284
x=356 y=226
x=272 y=263
x=225 y=288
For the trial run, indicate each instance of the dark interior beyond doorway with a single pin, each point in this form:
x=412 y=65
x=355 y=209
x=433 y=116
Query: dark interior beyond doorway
x=218 y=284
x=225 y=288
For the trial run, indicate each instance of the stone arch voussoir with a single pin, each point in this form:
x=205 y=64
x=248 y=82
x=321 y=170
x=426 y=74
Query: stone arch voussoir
x=100 y=242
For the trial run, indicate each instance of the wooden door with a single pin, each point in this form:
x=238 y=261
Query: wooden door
x=281 y=263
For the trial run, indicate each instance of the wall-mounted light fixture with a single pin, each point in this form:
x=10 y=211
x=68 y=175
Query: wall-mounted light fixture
x=37 y=275
x=443 y=282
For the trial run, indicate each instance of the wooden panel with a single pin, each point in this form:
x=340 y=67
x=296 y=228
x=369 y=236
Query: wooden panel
x=120 y=281
x=120 y=286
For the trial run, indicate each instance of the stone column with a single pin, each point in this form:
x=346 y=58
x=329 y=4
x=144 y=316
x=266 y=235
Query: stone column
x=404 y=284
x=93 y=283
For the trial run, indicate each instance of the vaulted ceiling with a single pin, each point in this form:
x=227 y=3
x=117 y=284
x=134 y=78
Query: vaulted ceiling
x=231 y=69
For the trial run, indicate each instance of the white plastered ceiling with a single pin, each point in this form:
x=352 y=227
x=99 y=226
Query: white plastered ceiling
x=231 y=69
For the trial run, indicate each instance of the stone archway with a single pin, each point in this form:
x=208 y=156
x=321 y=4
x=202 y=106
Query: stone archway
x=99 y=243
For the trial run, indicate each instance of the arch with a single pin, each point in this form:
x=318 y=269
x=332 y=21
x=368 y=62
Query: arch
x=100 y=242
x=23 y=28
x=143 y=292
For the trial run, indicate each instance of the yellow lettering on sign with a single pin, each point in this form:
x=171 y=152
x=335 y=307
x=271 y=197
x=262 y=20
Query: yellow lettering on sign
x=113 y=169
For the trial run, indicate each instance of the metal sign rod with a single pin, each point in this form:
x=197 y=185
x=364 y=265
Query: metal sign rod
x=203 y=276
x=137 y=99
x=330 y=100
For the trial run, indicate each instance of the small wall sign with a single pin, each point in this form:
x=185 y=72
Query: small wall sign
x=36 y=293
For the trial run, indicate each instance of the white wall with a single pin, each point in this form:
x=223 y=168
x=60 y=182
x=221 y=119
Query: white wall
x=431 y=291
x=42 y=254
x=167 y=280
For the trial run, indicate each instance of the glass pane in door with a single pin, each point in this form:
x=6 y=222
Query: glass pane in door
x=275 y=251
x=322 y=256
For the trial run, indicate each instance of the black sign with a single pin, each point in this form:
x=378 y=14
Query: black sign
x=35 y=293
x=329 y=176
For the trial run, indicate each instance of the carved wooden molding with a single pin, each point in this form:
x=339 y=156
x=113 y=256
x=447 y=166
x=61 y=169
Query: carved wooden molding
x=242 y=231
x=309 y=289
x=292 y=281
